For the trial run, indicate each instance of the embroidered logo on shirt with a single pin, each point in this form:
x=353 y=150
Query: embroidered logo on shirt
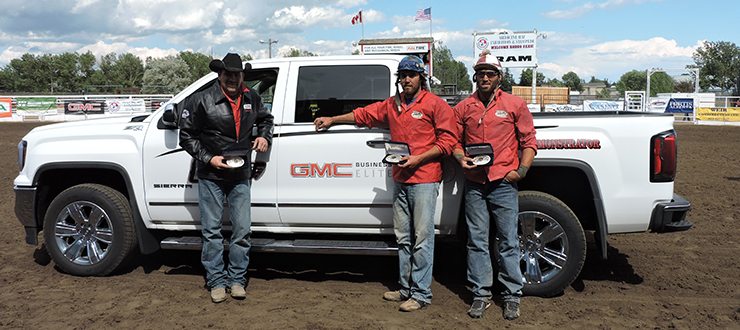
x=185 y=114
x=417 y=115
x=247 y=107
x=501 y=113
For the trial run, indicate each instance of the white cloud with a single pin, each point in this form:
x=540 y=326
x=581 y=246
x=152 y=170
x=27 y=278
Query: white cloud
x=351 y=3
x=100 y=48
x=588 y=7
x=300 y=16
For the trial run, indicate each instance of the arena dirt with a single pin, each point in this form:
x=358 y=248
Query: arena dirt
x=679 y=280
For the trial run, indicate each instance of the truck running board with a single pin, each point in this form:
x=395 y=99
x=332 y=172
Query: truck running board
x=293 y=246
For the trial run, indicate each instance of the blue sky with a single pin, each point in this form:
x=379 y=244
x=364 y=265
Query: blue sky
x=602 y=38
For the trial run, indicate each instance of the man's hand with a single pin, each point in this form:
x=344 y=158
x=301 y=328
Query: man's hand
x=322 y=123
x=411 y=161
x=218 y=162
x=465 y=161
x=260 y=144
x=512 y=176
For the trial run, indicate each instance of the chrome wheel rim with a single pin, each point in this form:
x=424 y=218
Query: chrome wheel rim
x=543 y=246
x=83 y=233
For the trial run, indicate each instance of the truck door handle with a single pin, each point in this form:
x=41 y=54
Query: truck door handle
x=376 y=143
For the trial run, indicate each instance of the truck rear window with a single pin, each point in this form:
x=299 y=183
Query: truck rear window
x=335 y=90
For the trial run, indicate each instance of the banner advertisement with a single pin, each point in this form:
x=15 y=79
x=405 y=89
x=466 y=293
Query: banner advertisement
x=82 y=107
x=682 y=105
x=592 y=105
x=36 y=104
x=562 y=107
x=514 y=50
x=395 y=48
x=125 y=105
x=6 y=107
x=718 y=114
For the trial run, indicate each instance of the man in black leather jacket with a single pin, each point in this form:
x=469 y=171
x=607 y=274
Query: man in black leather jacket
x=215 y=128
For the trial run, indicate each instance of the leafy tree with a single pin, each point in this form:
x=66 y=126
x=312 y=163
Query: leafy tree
x=603 y=94
x=573 y=81
x=660 y=82
x=720 y=65
x=554 y=83
x=247 y=57
x=448 y=70
x=507 y=80
x=683 y=86
x=294 y=52
x=166 y=75
x=197 y=64
x=128 y=71
x=525 y=79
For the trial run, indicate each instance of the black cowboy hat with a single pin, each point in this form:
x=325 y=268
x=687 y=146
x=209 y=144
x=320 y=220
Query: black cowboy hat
x=232 y=62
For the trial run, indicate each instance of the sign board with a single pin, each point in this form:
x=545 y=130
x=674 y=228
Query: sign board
x=562 y=107
x=592 y=105
x=514 y=50
x=125 y=105
x=82 y=107
x=683 y=105
x=414 y=48
x=6 y=107
x=730 y=115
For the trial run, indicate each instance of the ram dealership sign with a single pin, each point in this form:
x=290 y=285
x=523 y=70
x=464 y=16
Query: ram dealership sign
x=514 y=50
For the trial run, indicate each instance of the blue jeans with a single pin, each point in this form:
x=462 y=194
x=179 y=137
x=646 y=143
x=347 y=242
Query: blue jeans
x=413 y=223
x=497 y=200
x=212 y=196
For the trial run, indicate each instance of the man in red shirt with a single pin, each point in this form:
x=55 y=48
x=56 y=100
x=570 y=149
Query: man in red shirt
x=502 y=120
x=426 y=123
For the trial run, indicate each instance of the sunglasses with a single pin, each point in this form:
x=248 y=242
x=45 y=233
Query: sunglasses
x=487 y=73
x=410 y=74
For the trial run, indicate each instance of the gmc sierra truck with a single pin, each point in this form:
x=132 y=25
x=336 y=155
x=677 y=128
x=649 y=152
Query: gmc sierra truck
x=103 y=191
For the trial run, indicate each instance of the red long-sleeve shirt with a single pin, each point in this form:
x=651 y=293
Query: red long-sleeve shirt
x=426 y=122
x=506 y=124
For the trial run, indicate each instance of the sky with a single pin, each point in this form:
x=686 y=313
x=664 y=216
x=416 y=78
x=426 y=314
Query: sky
x=601 y=38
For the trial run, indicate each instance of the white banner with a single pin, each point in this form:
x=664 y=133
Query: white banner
x=562 y=107
x=594 y=105
x=514 y=50
x=395 y=48
x=125 y=105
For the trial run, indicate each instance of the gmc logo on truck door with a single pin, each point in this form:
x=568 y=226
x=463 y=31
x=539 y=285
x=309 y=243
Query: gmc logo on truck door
x=314 y=170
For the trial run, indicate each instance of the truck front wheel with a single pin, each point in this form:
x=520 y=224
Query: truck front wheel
x=89 y=230
x=552 y=244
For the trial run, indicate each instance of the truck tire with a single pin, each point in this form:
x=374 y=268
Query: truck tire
x=552 y=243
x=89 y=230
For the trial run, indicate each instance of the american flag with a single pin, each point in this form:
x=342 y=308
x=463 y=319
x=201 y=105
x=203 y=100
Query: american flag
x=424 y=14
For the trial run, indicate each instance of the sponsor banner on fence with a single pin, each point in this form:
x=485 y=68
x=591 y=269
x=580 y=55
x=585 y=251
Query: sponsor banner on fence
x=42 y=105
x=125 y=105
x=682 y=105
x=82 y=106
x=591 y=105
x=562 y=107
x=6 y=107
x=514 y=50
x=718 y=114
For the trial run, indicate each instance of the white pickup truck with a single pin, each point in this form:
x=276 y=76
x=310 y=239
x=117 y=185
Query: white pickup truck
x=102 y=189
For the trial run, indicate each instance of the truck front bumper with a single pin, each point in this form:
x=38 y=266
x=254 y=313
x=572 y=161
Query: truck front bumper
x=25 y=201
x=671 y=216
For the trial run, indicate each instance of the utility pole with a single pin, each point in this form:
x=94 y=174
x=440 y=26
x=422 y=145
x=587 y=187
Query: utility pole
x=269 y=43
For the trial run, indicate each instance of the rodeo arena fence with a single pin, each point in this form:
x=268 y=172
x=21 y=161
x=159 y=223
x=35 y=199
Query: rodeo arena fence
x=77 y=107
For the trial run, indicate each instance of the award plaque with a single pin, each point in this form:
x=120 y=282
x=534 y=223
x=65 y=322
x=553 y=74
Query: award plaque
x=395 y=151
x=234 y=156
x=481 y=153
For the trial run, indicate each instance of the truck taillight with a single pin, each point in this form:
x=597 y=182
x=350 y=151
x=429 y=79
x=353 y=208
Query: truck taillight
x=663 y=157
x=22 y=146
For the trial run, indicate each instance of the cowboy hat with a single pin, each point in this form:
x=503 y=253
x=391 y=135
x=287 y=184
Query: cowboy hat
x=232 y=62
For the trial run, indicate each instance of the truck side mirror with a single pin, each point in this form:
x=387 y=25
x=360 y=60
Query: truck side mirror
x=168 y=119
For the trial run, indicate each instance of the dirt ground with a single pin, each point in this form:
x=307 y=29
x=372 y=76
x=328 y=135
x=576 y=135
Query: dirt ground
x=679 y=280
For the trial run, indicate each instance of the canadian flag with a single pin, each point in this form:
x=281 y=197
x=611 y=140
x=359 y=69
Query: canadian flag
x=357 y=19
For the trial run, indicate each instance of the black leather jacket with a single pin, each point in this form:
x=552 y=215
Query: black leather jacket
x=207 y=129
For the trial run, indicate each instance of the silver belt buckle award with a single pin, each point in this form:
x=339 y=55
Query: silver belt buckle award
x=394 y=151
x=234 y=156
x=481 y=153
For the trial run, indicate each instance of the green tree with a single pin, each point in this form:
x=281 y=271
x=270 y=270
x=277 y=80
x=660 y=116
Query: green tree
x=554 y=82
x=720 y=65
x=294 y=52
x=573 y=81
x=683 y=86
x=165 y=75
x=507 y=80
x=128 y=71
x=632 y=81
x=448 y=70
x=197 y=64
x=525 y=79
x=247 y=57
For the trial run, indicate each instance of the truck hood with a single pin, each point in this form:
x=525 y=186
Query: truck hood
x=104 y=126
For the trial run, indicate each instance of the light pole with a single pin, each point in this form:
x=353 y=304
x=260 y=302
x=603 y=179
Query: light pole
x=269 y=43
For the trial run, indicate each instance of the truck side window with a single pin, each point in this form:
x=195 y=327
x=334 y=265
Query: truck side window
x=263 y=82
x=335 y=90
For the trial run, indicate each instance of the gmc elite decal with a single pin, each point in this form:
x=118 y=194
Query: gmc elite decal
x=340 y=170
x=569 y=144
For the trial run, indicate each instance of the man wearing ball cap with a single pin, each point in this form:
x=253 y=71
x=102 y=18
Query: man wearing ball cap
x=492 y=116
x=426 y=123
x=215 y=120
